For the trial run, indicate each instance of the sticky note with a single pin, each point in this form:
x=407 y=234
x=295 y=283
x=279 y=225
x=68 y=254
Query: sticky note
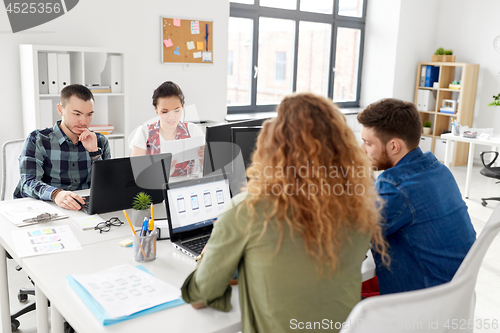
x=168 y=42
x=195 y=27
x=207 y=56
x=177 y=22
x=126 y=242
x=199 y=46
x=197 y=55
x=190 y=45
x=176 y=52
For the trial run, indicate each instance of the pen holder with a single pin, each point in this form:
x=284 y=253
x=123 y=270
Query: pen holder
x=145 y=246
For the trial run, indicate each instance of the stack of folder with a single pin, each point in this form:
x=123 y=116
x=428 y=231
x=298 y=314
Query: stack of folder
x=103 y=129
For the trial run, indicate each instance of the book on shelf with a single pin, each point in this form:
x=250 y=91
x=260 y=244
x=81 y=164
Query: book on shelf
x=103 y=129
x=96 y=89
x=454 y=86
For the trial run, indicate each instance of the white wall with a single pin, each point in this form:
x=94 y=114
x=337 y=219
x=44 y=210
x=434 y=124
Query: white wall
x=397 y=38
x=468 y=28
x=134 y=27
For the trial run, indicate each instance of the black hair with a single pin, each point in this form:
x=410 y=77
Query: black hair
x=77 y=90
x=168 y=89
x=392 y=118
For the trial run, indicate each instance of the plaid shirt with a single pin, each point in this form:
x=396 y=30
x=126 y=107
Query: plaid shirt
x=49 y=160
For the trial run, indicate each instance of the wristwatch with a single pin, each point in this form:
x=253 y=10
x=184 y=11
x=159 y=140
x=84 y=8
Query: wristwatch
x=95 y=153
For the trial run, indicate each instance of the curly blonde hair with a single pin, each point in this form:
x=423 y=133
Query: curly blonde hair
x=311 y=134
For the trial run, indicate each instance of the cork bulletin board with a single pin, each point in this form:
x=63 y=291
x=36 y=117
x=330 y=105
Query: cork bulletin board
x=186 y=41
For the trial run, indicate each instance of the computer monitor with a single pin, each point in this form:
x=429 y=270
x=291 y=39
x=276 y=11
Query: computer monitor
x=245 y=138
x=219 y=150
x=116 y=182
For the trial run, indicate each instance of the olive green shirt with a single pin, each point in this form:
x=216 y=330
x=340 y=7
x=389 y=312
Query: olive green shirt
x=279 y=292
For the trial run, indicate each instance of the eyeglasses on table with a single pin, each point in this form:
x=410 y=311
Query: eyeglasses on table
x=106 y=225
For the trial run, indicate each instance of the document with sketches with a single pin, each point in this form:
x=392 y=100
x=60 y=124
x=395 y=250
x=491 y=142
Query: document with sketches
x=20 y=211
x=44 y=240
x=88 y=221
x=124 y=292
x=185 y=149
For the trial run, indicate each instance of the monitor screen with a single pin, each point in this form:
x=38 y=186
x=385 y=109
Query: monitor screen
x=197 y=203
x=245 y=138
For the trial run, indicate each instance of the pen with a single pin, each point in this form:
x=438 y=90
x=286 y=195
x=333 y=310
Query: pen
x=144 y=227
x=152 y=222
x=135 y=234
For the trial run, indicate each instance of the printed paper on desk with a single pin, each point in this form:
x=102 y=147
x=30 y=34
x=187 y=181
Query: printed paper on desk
x=125 y=289
x=44 y=240
x=19 y=211
x=87 y=222
x=185 y=149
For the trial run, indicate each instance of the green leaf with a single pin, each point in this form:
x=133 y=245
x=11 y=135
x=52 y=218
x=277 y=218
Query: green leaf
x=141 y=201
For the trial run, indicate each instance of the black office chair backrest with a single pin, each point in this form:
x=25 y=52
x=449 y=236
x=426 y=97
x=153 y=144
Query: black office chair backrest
x=489 y=170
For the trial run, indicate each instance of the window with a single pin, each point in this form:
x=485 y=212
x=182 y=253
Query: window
x=280 y=72
x=230 y=63
x=277 y=47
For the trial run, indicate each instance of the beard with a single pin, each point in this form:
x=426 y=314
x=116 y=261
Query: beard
x=383 y=162
x=72 y=129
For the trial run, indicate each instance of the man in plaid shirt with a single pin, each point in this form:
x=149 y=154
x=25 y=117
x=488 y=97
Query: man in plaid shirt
x=56 y=161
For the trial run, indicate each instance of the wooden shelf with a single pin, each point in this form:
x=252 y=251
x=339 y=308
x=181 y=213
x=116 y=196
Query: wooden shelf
x=448 y=72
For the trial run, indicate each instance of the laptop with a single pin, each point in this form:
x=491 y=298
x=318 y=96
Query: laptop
x=115 y=182
x=192 y=207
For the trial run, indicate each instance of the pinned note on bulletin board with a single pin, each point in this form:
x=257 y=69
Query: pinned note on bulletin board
x=186 y=41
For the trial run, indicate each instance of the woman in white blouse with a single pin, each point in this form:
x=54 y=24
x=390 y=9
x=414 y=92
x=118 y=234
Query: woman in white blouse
x=153 y=138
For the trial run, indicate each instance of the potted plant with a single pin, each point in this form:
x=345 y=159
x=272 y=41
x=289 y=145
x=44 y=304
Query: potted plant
x=496 y=101
x=141 y=208
x=427 y=127
x=442 y=55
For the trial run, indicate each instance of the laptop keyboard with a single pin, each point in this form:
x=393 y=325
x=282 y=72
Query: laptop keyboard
x=197 y=245
x=85 y=206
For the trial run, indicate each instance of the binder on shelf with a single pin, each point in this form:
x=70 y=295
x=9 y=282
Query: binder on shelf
x=112 y=73
x=63 y=71
x=428 y=101
x=419 y=99
x=46 y=113
x=431 y=76
x=43 y=84
x=423 y=72
x=52 y=73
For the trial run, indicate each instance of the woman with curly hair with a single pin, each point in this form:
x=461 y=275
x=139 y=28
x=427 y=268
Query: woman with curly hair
x=299 y=235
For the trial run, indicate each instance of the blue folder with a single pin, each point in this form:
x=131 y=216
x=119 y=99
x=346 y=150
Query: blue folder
x=102 y=315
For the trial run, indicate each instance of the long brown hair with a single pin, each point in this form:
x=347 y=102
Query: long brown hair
x=310 y=136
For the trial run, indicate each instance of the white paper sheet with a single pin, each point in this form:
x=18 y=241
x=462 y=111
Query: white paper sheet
x=185 y=149
x=19 y=211
x=44 y=240
x=87 y=222
x=125 y=289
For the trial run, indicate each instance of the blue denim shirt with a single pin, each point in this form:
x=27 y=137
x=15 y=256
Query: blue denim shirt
x=426 y=224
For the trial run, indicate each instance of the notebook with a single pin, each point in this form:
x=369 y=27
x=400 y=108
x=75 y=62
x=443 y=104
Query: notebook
x=116 y=182
x=192 y=207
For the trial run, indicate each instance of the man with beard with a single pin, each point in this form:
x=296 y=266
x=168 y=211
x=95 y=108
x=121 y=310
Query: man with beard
x=56 y=161
x=425 y=219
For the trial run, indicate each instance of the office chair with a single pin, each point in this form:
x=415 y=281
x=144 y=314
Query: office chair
x=11 y=150
x=489 y=171
x=429 y=309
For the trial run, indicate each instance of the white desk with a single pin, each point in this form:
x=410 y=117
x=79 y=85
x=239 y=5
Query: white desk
x=99 y=252
x=450 y=137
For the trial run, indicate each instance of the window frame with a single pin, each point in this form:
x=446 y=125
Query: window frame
x=255 y=11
